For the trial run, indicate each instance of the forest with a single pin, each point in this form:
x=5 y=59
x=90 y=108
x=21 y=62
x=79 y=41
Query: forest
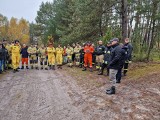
x=71 y=21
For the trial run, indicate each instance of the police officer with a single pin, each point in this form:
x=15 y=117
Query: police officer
x=106 y=59
x=129 y=52
x=100 y=49
x=114 y=64
x=124 y=56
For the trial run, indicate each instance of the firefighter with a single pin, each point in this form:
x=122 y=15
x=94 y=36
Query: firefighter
x=77 y=54
x=99 y=51
x=43 y=57
x=24 y=53
x=106 y=59
x=9 y=63
x=69 y=52
x=59 y=56
x=129 y=54
x=64 y=55
x=94 y=57
x=82 y=56
x=88 y=50
x=32 y=50
x=15 y=49
x=51 y=56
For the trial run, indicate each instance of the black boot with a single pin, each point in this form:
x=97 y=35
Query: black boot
x=22 y=67
x=14 y=70
x=27 y=67
x=0 y=71
x=84 y=69
x=91 y=70
x=31 y=67
x=53 y=67
x=118 y=81
x=111 y=91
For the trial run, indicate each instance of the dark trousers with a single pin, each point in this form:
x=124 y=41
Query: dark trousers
x=103 y=66
x=119 y=75
x=125 y=68
x=81 y=61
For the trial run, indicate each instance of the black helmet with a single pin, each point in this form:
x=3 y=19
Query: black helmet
x=16 y=41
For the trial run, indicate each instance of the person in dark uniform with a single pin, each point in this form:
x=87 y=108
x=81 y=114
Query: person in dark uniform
x=115 y=64
x=106 y=59
x=129 y=54
x=124 y=56
x=100 y=49
x=81 y=56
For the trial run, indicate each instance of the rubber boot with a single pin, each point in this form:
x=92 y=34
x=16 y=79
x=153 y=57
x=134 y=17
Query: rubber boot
x=111 y=91
x=27 y=67
x=84 y=69
x=53 y=67
x=91 y=70
x=14 y=70
x=22 y=67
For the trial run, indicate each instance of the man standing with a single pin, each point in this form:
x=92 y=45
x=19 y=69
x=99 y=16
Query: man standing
x=32 y=50
x=24 y=53
x=77 y=54
x=15 y=49
x=115 y=64
x=129 y=54
x=106 y=59
x=88 y=50
x=51 y=56
x=43 y=57
x=100 y=49
x=59 y=56
x=69 y=52
x=2 y=52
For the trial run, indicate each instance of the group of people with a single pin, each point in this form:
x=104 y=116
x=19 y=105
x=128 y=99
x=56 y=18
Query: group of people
x=113 y=56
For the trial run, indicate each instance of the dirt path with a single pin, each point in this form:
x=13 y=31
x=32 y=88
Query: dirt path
x=36 y=95
x=66 y=95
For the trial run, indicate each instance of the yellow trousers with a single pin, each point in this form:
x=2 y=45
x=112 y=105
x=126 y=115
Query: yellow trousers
x=51 y=59
x=59 y=59
x=15 y=61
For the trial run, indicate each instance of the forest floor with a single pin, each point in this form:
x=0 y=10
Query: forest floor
x=72 y=94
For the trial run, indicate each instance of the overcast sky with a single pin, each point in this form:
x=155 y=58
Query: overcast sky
x=21 y=8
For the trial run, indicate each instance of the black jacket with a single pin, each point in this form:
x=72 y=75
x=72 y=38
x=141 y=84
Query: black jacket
x=107 y=54
x=24 y=52
x=129 y=51
x=124 y=56
x=117 y=57
x=2 y=53
x=81 y=53
x=100 y=50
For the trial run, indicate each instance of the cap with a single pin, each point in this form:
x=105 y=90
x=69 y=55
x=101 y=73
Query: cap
x=115 y=39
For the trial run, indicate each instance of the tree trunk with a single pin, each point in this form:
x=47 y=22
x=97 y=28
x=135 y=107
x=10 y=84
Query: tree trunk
x=124 y=19
x=153 y=29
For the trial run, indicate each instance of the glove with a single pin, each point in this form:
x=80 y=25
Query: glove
x=130 y=62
